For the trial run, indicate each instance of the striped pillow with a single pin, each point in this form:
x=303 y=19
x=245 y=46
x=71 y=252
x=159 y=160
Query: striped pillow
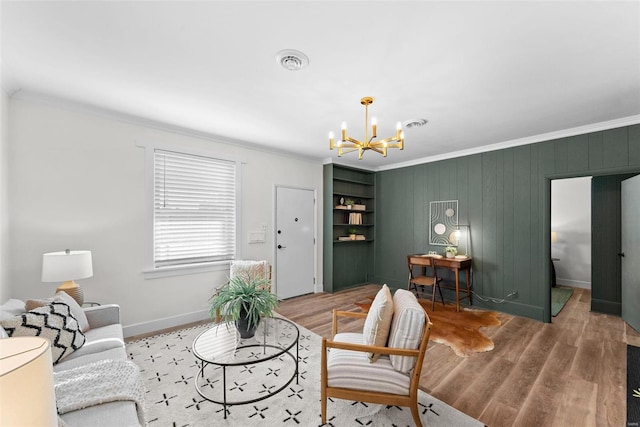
x=378 y=321
x=406 y=329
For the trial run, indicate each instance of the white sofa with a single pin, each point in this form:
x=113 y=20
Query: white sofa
x=104 y=340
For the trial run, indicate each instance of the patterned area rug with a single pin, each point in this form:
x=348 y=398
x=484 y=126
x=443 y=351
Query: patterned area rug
x=169 y=370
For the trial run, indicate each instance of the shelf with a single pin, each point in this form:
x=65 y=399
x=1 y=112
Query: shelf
x=353 y=225
x=352 y=241
x=353 y=181
x=357 y=196
x=352 y=210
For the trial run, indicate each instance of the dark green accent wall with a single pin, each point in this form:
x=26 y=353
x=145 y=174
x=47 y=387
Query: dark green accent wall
x=505 y=196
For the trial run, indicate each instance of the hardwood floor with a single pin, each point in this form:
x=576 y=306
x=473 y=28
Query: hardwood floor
x=571 y=372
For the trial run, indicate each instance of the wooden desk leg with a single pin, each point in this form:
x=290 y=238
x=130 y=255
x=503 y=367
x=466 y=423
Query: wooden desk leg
x=457 y=289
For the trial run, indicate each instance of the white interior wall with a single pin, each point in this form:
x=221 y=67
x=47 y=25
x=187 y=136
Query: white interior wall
x=4 y=222
x=571 y=220
x=77 y=182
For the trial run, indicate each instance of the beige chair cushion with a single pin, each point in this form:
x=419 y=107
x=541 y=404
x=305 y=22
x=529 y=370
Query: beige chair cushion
x=354 y=370
x=406 y=329
x=378 y=321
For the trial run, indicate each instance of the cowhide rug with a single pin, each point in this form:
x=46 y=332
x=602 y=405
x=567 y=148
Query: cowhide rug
x=459 y=330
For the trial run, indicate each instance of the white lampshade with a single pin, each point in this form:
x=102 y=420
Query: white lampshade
x=67 y=265
x=27 y=396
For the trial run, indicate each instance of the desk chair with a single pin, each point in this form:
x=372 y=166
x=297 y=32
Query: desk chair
x=429 y=277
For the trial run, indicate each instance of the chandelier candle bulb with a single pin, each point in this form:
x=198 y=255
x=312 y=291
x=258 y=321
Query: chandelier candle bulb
x=374 y=126
x=344 y=131
x=331 y=141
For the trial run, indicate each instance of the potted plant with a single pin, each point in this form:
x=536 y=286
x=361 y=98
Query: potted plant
x=352 y=233
x=244 y=300
x=349 y=203
x=451 y=251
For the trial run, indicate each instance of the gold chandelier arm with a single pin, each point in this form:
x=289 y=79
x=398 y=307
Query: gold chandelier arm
x=354 y=141
x=344 y=150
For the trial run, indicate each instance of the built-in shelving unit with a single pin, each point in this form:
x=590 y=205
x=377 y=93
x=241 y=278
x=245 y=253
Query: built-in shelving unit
x=348 y=262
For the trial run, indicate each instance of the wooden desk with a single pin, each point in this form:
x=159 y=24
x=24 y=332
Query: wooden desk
x=456 y=265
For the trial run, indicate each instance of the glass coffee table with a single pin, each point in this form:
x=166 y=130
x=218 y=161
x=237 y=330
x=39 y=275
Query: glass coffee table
x=238 y=371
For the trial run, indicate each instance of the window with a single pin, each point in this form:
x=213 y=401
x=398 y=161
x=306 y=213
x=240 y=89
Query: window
x=195 y=211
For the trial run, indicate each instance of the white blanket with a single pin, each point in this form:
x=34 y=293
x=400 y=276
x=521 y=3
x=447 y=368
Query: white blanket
x=99 y=382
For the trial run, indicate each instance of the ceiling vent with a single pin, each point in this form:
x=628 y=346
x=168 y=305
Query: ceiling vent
x=292 y=60
x=414 y=123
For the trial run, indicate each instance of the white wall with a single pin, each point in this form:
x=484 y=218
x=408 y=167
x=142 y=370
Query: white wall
x=5 y=290
x=77 y=182
x=571 y=220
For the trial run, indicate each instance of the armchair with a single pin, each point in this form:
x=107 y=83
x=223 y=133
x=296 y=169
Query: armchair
x=347 y=371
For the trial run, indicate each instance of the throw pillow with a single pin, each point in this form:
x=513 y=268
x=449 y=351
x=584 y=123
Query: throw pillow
x=406 y=329
x=62 y=296
x=37 y=303
x=378 y=321
x=13 y=307
x=54 y=322
x=76 y=310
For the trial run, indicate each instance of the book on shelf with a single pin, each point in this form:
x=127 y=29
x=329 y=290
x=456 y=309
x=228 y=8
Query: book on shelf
x=355 y=218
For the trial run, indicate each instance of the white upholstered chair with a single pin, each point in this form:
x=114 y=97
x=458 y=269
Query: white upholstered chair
x=249 y=268
x=348 y=370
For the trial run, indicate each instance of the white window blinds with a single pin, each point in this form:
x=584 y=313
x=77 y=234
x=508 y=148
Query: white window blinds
x=194 y=209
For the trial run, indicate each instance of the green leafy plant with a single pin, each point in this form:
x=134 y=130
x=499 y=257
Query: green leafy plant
x=349 y=202
x=244 y=295
x=353 y=231
x=451 y=250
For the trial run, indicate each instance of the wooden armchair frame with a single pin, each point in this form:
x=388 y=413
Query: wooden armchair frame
x=410 y=399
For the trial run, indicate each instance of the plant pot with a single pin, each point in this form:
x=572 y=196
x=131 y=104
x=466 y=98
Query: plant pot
x=352 y=236
x=242 y=324
x=450 y=255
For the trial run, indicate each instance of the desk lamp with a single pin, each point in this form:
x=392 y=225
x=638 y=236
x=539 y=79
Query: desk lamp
x=66 y=267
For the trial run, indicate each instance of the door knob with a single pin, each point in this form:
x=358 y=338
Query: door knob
x=621 y=254
x=281 y=247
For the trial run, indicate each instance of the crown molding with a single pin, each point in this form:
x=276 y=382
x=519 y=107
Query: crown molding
x=564 y=133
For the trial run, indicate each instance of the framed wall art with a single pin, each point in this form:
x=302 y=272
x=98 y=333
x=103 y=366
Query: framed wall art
x=443 y=223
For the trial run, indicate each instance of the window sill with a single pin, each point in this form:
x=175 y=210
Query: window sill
x=184 y=270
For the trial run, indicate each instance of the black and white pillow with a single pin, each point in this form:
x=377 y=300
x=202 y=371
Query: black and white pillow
x=53 y=321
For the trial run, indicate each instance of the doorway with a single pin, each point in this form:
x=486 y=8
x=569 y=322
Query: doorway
x=605 y=232
x=295 y=251
x=570 y=239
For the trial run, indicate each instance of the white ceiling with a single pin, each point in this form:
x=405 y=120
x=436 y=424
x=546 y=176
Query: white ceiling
x=482 y=73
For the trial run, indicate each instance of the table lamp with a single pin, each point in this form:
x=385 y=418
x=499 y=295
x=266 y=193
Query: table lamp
x=27 y=396
x=66 y=267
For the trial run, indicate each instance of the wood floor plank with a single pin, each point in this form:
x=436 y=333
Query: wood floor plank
x=578 y=405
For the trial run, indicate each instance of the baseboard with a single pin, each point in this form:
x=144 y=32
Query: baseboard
x=164 y=323
x=606 y=307
x=317 y=288
x=574 y=283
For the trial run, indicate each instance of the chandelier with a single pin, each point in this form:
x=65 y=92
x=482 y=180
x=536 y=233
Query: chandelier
x=348 y=144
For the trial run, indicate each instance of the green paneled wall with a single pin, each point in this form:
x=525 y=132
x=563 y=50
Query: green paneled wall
x=504 y=196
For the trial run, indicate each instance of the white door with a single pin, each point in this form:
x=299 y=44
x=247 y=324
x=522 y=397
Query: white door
x=630 y=254
x=295 y=242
